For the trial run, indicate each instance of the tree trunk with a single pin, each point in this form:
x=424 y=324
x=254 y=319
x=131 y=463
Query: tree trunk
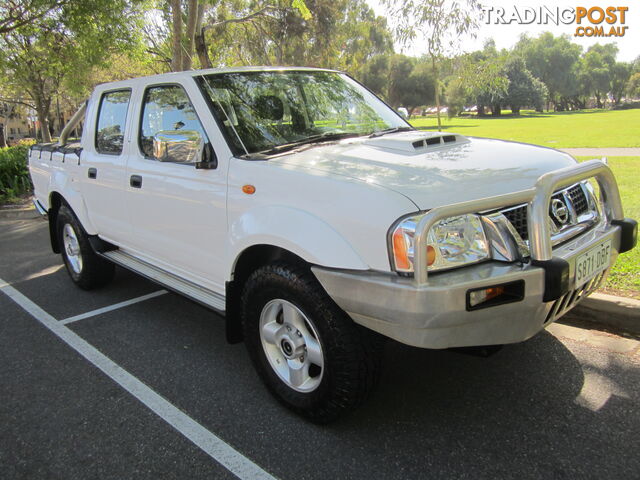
x=598 y=101
x=436 y=81
x=192 y=20
x=176 y=14
x=515 y=109
x=59 y=123
x=481 y=110
x=496 y=110
x=200 y=43
x=3 y=141
x=45 y=132
x=43 y=107
x=201 y=49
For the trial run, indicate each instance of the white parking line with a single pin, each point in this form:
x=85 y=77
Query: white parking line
x=110 y=308
x=214 y=446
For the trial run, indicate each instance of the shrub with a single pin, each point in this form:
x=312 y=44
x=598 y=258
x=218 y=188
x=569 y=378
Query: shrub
x=26 y=142
x=14 y=174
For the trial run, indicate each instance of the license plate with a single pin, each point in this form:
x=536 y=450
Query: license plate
x=596 y=260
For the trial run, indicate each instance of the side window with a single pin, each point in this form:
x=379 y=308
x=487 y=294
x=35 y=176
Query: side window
x=170 y=130
x=112 y=118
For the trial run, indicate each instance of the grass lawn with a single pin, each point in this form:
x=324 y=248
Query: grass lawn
x=625 y=275
x=586 y=128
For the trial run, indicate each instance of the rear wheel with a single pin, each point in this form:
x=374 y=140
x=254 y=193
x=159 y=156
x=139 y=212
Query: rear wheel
x=85 y=267
x=308 y=352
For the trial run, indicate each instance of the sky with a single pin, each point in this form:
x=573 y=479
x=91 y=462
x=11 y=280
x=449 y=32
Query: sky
x=506 y=36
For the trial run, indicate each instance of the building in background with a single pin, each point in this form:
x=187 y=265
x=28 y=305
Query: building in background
x=16 y=123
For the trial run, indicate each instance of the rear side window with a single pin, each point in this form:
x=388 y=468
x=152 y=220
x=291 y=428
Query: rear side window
x=169 y=116
x=112 y=118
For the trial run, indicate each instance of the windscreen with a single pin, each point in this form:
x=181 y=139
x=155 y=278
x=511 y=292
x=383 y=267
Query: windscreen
x=263 y=110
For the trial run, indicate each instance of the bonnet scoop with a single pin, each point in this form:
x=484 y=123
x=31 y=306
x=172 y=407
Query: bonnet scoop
x=417 y=142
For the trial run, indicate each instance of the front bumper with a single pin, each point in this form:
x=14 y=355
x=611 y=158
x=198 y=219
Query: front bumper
x=435 y=315
x=430 y=310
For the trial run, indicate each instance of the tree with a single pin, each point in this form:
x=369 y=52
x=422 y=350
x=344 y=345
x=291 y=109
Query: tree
x=375 y=74
x=400 y=68
x=487 y=84
x=456 y=95
x=361 y=36
x=619 y=77
x=479 y=79
x=342 y=34
x=189 y=39
x=17 y=13
x=420 y=87
x=441 y=22
x=633 y=86
x=618 y=73
x=409 y=83
x=598 y=62
x=524 y=89
x=401 y=80
x=552 y=60
x=59 y=49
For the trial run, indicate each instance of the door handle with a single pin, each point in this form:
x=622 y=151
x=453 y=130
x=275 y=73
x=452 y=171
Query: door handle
x=92 y=173
x=135 y=181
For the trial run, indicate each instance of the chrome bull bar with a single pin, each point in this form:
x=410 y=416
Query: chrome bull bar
x=537 y=199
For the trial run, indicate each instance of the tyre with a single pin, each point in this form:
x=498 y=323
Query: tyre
x=85 y=267
x=311 y=356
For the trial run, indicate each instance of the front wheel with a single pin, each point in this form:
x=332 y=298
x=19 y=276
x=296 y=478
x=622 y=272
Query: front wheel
x=85 y=267
x=308 y=352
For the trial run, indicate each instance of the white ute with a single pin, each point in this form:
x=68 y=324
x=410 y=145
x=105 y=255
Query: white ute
x=318 y=221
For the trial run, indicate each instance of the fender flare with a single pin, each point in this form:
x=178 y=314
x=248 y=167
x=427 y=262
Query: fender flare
x=297 y=231
x=60 y=183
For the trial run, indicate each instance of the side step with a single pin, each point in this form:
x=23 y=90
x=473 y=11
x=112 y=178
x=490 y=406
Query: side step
x=189 y=289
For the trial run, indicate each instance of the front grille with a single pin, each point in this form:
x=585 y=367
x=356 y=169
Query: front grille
x=579 y=199
x=518 y=218
x=518 y=215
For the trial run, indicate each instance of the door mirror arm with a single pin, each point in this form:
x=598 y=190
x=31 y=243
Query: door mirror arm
x=209 y=160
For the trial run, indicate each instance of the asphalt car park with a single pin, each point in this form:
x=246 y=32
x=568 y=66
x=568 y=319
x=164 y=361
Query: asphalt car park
x=130 y=381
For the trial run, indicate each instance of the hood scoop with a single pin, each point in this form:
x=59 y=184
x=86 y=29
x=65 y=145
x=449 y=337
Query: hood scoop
x=417 y=142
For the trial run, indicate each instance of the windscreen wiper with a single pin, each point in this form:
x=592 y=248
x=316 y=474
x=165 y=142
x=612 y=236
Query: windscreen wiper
x=391 y=130
x=322 y=137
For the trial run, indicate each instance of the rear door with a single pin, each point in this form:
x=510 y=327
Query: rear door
x=177 y=212
x=103 y=165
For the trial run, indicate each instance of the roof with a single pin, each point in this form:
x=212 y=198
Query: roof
x=255 y=69
x=168 y=77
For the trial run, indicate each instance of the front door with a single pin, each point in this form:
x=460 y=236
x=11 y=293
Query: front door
x=177 y=212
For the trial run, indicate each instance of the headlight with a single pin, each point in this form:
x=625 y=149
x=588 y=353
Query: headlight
x=452 y=242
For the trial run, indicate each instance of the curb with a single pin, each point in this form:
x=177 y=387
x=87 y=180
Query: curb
x=597 y=339
x=616 y=313
x=18 y=213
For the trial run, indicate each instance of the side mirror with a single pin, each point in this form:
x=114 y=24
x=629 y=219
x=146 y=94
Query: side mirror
x=177 y=146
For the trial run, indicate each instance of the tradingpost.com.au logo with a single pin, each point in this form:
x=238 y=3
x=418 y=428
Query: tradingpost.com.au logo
x=589 y=21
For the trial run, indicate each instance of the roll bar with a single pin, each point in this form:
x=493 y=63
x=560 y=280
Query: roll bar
x=72 y=123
